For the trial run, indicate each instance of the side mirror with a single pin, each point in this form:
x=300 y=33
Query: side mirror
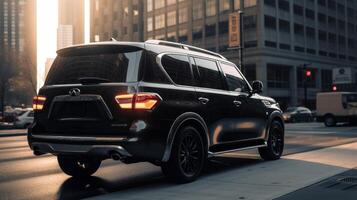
x=257 y=87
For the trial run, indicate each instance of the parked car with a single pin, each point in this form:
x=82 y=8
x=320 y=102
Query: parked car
x=298 y=114
x=24 y=119
x=334 y=107
x=166 y=103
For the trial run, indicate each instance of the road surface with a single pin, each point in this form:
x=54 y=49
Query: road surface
x=25 y=176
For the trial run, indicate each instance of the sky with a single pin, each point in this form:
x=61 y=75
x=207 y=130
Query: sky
x=47 y=23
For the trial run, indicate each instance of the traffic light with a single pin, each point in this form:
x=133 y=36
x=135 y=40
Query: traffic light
x=334 y=88
x=308 y=73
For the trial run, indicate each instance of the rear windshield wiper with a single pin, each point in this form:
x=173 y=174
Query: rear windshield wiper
x=92 y=80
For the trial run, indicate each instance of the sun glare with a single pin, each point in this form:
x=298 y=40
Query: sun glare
x=47 y=22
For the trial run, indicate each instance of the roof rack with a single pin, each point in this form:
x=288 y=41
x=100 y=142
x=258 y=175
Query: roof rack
x=185 y=46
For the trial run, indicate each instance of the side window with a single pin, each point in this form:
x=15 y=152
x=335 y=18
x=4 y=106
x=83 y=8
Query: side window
x=153 y=72
x=178 y=68
x=31 y=114
x=235 y=81
x=210 y=76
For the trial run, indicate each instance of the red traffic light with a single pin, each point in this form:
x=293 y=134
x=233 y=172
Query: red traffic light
x=334 y=88
x=308 y=73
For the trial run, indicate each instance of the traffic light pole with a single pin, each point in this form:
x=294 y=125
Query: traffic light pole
x=241 y=39
x=305 y=75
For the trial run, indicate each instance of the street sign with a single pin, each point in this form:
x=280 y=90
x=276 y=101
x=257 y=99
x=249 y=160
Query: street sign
x=234 y=30
x=342 y=75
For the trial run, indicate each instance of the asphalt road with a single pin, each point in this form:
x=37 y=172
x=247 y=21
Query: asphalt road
x=24 y=176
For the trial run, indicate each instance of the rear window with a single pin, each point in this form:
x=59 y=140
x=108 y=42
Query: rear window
x=178 y=68
x=349 y=98
x=115 y=64
x=210 y=76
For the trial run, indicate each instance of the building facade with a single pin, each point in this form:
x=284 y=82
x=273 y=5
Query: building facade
x=121 y=20
x=65 y=36
x=17 y=51
x=280 y=37
x=71 y=13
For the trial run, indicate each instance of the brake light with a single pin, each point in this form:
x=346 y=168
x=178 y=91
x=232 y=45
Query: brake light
x=139 y=101
x=38 y=102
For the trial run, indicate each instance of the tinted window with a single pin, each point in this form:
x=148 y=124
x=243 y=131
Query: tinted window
x=234 y=79
x=153 y=72
x=209 y=74
x=31 y=114
x=112 y=64
x=178 y=68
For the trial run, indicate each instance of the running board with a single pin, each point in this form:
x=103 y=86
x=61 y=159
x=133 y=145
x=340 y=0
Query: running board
x=210 y=154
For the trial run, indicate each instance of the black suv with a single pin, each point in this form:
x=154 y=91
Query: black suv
x=166 y=103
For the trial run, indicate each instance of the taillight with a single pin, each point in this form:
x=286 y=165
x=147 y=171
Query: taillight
x=38 y=102
x=139 y=101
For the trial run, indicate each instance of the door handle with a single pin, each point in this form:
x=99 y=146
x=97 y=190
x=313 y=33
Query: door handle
x=203 y=100
x=237 y=103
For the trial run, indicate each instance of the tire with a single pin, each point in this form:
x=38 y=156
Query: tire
x=330 y=121
x=275 y=143
x=78 y=167
x=188 y=156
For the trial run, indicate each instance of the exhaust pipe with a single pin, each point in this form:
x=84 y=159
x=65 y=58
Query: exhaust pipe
x=115 y=156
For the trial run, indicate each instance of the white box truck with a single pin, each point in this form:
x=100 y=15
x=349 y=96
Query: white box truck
x=334 y=107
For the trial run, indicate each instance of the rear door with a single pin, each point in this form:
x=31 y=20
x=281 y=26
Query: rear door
x=213 y=97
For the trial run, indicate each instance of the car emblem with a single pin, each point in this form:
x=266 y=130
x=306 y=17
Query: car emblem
x=74 y=92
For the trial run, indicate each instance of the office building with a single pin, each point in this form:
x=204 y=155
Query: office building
x=121 y=20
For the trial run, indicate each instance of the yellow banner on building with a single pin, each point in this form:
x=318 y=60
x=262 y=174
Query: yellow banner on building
x=234 y=30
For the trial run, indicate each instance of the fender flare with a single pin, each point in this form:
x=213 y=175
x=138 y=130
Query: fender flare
x=176 y=125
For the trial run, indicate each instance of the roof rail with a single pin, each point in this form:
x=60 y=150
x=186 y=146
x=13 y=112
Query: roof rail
x=185 y=46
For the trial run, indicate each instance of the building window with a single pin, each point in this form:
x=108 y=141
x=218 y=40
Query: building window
x=210 y=30
x=270 y=44
x=250 y=3
x=284 y=26
x=269 y=22
x=332 y=38
x=210 y=8
x=149 y=5
x=311 y=51
x=159 y=4
x=322 y=36
x=250 y=44
x=171 y=36
x=171 y=18
x=223 y=27
x=310 y=14
x=322 y=3
x=183 y=36
x=224 y=5
x=299 y=29
x=298 y=10
x=250 y=22
x=170 y=2
x=183 y=15
x=331 y=4
x=278 y=76
x=284 y=5
x=299 y=49
x=326 y=79
x=269 y=2
x=236 y=4
x=284 y=46
x=197 y=33
x=322 y=18
x=341 y=9
x=159 y=21
x=310 y=32
x=197 y=10
x=341 y=25
x=149 y=24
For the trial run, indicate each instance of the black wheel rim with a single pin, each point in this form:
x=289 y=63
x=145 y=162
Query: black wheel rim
x=190 y=151
x=277 y=141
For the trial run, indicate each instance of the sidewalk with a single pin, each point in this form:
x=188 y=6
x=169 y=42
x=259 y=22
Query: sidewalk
x=13 y=132
x=264 y=180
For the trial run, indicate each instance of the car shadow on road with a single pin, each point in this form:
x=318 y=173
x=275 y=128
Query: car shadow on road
x=74 y=188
